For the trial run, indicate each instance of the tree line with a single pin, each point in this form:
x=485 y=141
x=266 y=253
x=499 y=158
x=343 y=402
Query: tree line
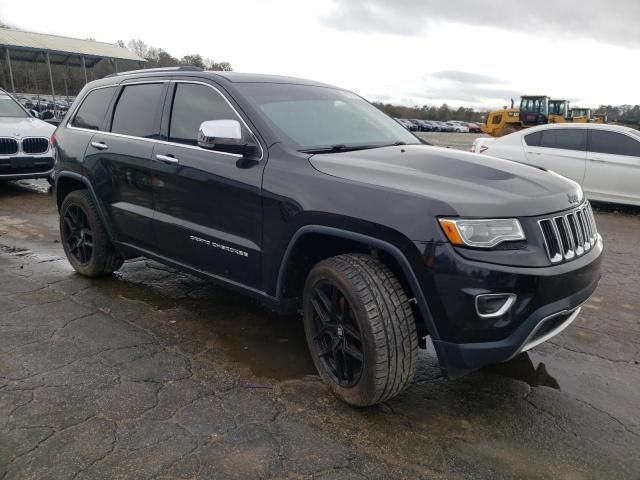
x=430 y=112
x=629 y=114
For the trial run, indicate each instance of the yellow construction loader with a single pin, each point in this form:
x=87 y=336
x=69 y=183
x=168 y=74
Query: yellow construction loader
x=534 y=110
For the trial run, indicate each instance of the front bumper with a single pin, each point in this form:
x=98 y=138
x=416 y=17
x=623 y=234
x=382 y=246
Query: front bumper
x=548 y=300
x=26 y=166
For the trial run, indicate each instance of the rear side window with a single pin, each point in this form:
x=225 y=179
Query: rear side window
x=93 y=109
x=602 y=141
x=564 y=138
x=533 y=139
x=136 y=109
x=192 y=105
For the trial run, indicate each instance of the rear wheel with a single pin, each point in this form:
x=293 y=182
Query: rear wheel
x=84 y=238
x=360 y=329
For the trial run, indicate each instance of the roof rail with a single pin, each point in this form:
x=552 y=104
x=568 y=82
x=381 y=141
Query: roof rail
x=183 y=68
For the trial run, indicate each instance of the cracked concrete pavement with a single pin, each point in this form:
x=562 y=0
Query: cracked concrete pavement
x=155 y=374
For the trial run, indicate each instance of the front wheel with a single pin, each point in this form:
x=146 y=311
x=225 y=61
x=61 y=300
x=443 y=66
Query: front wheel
x=360 y=329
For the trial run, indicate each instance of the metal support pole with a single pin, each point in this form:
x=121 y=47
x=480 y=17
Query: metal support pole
x=53 y=90
x=115 y=65
x=84 y=68
x=13 y=87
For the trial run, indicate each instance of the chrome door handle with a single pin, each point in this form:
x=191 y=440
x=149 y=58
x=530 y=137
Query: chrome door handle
x=533 y=153
x=99 y=145
x=166 y=159
x=597 y=159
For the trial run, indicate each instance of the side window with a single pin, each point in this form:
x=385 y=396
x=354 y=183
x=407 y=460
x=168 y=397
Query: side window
x=193 y=104
x=136 y=109
x=93 y=109
x=564 y=138
x=533 y=139
x=603 y=141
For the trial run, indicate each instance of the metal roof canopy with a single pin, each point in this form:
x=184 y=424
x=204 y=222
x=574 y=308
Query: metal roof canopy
x=57 y=50
x=29 y=46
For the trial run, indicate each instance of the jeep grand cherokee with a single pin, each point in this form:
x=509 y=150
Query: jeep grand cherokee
x=308 y=198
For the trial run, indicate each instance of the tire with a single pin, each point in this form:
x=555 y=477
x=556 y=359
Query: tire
x=370 y=300
x=507 y=130
x=89 y=252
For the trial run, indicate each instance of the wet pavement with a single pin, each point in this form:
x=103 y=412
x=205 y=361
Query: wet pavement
x=155 y=374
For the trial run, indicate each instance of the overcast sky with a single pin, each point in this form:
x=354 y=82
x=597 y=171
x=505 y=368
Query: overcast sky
x=463 y=52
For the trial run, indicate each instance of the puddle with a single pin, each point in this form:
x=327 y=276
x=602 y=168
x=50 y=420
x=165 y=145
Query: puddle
x=270 y=345
x=523 y=368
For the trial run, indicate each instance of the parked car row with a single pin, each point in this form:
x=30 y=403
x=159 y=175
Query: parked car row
x=45 y=108
x=458 y=126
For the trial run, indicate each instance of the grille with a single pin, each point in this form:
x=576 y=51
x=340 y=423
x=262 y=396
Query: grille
x=569 y=235
x=8 y=146
x=35 y=145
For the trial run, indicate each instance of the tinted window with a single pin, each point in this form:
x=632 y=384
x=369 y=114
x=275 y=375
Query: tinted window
x=602 y=141
x=192 y=105
x=93 y=109
x=564 y=138
x=136 y=109
x=533 y=139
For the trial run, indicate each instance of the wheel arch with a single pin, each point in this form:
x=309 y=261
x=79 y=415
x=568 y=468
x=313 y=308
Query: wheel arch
x=67 y=182
x=348 y=242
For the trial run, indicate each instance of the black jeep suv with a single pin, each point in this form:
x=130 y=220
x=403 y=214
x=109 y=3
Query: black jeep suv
x=308 y=198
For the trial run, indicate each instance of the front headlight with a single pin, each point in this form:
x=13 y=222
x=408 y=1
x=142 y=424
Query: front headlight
x=481 y=233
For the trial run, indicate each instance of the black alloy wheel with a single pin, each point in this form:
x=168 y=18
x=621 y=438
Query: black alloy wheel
x=336 y=334
x=78 y=235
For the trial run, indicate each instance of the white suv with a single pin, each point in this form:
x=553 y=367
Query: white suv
x=25 y=150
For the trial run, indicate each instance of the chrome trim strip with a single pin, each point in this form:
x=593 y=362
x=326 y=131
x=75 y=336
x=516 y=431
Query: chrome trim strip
x=528 y=344
x=123 y=83
x=511 y=299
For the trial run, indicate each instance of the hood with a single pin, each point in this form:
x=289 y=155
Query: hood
x=25 y=127
x=472 y=185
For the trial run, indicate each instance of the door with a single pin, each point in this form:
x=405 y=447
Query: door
x=613 y=166
x=562 y=150
x=119 y=161
x=87 y=120
x=208 y=206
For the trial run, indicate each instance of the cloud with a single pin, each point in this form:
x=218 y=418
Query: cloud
x=470 y=94
x=464 y=77
x=610 y=22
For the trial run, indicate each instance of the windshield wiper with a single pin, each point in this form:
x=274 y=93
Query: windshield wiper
x=347 y=148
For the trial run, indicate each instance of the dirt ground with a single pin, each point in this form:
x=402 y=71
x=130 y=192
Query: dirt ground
x=155 y=374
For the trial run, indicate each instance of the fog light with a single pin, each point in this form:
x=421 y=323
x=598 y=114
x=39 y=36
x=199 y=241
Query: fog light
x=493 y=305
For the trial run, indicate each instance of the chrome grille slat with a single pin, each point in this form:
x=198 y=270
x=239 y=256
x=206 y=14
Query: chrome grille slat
x=569 y=235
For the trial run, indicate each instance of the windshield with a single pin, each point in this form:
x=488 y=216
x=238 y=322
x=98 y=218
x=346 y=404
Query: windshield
x=534 y=104
x=10 y=108
x=319 y=117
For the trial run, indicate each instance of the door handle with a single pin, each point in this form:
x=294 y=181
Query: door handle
x=533 y=153
x=597 y=159
x=167 y=158
x=99 y=145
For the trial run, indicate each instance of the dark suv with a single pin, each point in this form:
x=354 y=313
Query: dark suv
x=308 y=198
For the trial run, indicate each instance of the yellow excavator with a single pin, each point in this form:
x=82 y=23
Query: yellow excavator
x=534 y=110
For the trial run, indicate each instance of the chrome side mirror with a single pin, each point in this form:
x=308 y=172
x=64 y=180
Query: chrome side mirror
x=226 y=136
x=214 y=134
